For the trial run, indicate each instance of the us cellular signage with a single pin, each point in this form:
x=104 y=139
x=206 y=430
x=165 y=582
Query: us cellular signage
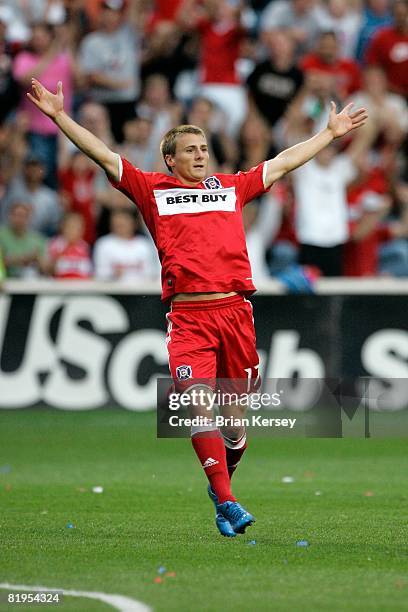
x=81 y=351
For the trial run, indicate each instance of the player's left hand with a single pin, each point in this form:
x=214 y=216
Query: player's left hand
x=345 y=121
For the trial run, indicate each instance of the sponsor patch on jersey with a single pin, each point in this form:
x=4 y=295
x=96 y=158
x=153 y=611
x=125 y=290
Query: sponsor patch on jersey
x=179 y=201
x=212 y=182
x=184 y=372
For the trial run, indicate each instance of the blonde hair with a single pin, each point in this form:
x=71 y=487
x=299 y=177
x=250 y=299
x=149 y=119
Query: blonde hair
x=169 y=142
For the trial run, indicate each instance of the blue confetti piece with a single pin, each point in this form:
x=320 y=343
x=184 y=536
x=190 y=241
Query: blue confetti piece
x=70 y=526
x=252 y=542
x=302 y=543
x=161 y=570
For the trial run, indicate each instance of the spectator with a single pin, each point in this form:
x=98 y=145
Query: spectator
x=274 y=82
x=30 y=189
x=77 y=190
x=255 y=143
x=13 y=150
x=326 y=59
x=108 y=200
x=68 y=253
x=23 y=249
x=368 y=205
x=70 y=15
x=378 y=245
x=50 y=61
x=9 y=93
x=28 y=12
x=157 y=106
x=298 y=18
x=390 y=109
x=340 y=17
x=221 y=35
x=165 y=11
x=18 y=31
x=204 y=114
x=168 y=52
x=94 y=117
x=321 y=203
x=138 y=146
x=389 y=49
x=376 y=14
x=122 y=255
x=393 y=256
x=109 y=58
x=308 y=112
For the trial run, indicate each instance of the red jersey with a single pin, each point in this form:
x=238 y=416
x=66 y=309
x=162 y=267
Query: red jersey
x=220 y=51
x=389 y=49
x=79 y=189
x=70 y=260
x=345 y=72
x=360 y=258
x=198 y=231
x=164 y=10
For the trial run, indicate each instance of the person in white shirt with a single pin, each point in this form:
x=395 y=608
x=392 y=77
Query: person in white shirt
x=341 y=17
x=122 y=254
x=321 y=211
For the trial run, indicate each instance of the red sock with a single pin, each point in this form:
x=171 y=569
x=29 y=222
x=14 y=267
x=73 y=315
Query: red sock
x=210 y=449
x=233 y=458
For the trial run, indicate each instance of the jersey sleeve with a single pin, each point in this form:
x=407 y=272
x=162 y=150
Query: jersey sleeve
x=250 y=184
x=134 y=183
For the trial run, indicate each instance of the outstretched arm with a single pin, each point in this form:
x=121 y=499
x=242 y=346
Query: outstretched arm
x=52 y=105
x=338 y=125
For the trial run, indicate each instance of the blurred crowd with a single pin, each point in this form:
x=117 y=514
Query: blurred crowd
x=257 y=76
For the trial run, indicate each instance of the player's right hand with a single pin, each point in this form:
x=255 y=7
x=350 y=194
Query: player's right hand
x=50 y=104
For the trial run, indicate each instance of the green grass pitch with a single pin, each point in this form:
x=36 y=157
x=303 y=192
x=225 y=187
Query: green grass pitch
x=154 y=512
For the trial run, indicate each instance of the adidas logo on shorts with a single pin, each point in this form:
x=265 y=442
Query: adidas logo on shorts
x=209 y=462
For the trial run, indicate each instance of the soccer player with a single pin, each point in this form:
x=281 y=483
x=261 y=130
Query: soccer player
x=196 y=224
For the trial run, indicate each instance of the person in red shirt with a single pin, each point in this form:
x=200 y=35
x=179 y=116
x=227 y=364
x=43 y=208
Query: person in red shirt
x=76 y=181
x=368 y=204
x=389 y=49
x=68 y=253
x=325 y=59
x=164 y=10
x=196 y=223
x=221 y=33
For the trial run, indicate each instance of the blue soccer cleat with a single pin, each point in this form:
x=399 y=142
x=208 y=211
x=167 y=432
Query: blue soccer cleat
x=239 y=519
x=223 y=524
